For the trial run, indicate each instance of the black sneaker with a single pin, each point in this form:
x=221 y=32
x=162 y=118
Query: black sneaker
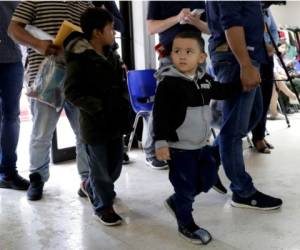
x=126 y=159
x=80 y=192
x=156 y=164
x=170 y=206
x=194 y=234
x=256 y=201
x=35 y=190
x=218 y=187
x=109 y=217
x=14 y=182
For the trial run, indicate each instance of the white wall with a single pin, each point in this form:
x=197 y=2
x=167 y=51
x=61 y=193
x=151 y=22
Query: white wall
x=288 y=14
x=143 y=43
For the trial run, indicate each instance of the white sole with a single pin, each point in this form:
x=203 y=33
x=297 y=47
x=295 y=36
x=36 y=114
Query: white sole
x=239 y=205
x=196 y=242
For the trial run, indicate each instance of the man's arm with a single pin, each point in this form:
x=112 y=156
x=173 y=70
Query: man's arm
x=249 y=74
x=19 y=34
x=198 y=23
x=158 y=26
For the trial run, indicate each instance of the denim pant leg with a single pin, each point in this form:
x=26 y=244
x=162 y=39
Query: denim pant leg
x=184 y=176
x=105 y=162
x=258 y=133
x=147 y=136
x=11 y=81
x=81 y=156
x=240 y=115
x=44 y=119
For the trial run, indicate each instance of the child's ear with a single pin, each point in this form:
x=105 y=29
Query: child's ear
x=202 y=57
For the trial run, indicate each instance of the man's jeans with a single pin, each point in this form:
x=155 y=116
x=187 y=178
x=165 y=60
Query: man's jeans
x=240 y=115
x=191 y=172
x=105 y=163
x=44 y=121
x=11 y=81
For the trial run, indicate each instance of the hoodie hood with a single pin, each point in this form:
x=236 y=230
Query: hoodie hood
x=76 y=43
x=170 y=70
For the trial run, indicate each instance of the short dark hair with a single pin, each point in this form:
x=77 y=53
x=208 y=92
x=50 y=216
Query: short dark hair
x=192 y=35
x=94 y=18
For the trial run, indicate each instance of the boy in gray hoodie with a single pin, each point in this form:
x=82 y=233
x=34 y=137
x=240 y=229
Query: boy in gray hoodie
x=181 y=118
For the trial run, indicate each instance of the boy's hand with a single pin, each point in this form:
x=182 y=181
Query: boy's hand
x=46 y=48
x=162 y=154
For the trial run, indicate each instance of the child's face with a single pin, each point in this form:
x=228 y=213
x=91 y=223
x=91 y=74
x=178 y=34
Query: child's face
x=186 y=55
x=107 y=35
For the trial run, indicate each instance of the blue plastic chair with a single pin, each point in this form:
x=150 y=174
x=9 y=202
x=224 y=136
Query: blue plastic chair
x=141 y=88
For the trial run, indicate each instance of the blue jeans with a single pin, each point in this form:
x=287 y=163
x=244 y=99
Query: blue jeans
x=11 y=82
x=240 y=115
x=191 y=172
x=44 y=121
x=105 y=163
x=267 y=76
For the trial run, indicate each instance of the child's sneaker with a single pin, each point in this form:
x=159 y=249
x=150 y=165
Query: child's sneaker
x=156 y=164
x=219 y=187
x=109 y=217
x=194 y=234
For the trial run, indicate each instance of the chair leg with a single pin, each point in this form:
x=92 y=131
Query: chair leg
x=137 y=117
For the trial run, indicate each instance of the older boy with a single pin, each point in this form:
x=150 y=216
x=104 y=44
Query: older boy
x=95 y=84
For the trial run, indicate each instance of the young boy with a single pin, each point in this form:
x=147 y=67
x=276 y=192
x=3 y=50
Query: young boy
x=182 y=117
x=95 y=83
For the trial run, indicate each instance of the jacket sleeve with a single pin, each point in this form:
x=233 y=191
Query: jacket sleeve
x=222 y=91
x=77 y=93
x=161 y=110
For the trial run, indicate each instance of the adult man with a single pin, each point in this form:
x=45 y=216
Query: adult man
x=236 y=50
x=45 y=118
x=11 y=81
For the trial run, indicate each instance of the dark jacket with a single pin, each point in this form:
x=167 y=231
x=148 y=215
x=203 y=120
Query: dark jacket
x=97 y=86
x=181 y=112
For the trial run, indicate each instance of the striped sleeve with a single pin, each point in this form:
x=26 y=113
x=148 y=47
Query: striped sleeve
x=25 y=12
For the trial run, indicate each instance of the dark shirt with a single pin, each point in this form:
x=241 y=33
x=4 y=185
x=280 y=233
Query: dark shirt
x=222 y=15
x=160 y=10
x=9 y=51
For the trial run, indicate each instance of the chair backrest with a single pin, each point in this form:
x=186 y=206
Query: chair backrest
x=141 y=87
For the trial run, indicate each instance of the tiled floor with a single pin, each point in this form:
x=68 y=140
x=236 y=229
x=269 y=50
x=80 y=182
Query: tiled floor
x=63 y=221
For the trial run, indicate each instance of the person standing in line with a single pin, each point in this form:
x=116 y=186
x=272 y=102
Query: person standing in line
x=45 y=118
x=236 y=52
x=267 y=75
x=11 y=82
